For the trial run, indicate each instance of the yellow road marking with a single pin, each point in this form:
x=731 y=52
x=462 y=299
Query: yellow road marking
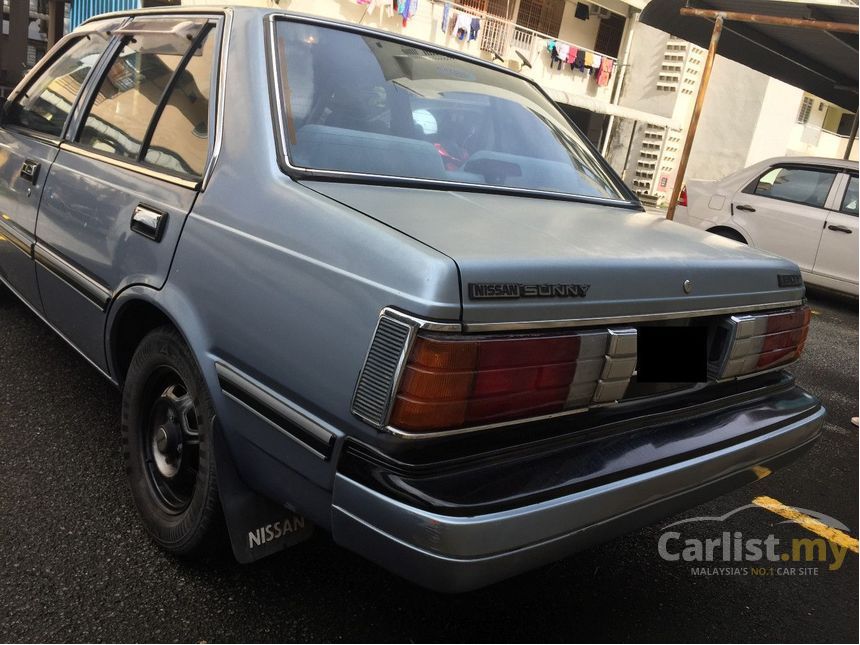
x=809 y=523
x=761 y=471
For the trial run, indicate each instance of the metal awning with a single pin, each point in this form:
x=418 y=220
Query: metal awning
x=605 y=107
x=819 y=61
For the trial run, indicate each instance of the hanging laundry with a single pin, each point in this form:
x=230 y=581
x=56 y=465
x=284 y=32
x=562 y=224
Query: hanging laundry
x=597 y=59
x=445 y=12
x=571 y=55
x=589 y=59
x=563 y=50
x=579 y=61
x=462 y=26
x=408 y=8
x=474 y=28
x=605 y=72
x=550 y=46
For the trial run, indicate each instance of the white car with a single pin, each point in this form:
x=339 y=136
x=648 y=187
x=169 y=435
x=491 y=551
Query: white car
x=802 y=208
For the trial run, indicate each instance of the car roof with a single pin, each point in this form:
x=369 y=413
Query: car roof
x=333 y=22
x=810 y=161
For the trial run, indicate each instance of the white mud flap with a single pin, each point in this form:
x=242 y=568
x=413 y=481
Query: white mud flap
x=258 y=527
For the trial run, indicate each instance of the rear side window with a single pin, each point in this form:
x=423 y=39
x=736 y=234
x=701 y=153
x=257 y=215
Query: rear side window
x=180 y=138
x=849 y=202
x=45 y=105
x=808 y=186
x=153 y=103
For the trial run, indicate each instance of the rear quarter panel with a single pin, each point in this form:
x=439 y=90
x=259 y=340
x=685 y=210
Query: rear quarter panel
x=284 y=284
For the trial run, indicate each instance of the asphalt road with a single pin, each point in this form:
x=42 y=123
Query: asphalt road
x=75 y=565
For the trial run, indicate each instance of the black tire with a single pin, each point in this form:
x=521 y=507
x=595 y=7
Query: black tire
x=165 y=401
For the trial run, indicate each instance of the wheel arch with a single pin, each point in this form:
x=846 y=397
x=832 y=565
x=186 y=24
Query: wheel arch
x=729 y=232
x=137 y=311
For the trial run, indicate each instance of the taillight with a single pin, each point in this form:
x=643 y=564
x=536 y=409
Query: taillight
x=766 y=341
x=453 y=382
x=682 y=198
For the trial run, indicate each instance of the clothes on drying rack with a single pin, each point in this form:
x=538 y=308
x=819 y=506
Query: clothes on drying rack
x=474 y=28
x=605 y=72
x=593 y=64
x=408 y=8
x=462 y=25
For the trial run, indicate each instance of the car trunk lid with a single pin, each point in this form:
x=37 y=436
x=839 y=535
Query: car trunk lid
x=530 y=259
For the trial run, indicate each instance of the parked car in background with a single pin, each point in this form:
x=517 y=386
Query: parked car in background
x=353 y=281
x=802 y=208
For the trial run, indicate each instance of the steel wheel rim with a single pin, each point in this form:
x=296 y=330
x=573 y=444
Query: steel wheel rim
x=171 y=440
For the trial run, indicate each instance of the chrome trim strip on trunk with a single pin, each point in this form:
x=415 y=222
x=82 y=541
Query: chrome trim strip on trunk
x=618 y=320
x=16 y=236
x=299 y=425
x=94 y=291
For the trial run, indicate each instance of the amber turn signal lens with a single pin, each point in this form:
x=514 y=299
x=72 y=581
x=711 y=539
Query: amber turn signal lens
x=452 y=383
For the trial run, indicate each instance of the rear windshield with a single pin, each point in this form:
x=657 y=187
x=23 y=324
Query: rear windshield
x=359 y=104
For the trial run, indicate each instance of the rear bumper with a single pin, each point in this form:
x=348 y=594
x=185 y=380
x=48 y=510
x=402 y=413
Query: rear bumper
x=459 y=552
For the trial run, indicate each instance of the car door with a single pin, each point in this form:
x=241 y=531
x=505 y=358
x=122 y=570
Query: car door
x=783 y=211
x=33 y=122
x=837 y=253
x=122 y=184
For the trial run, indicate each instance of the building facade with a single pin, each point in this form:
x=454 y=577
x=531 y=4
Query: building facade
x=517 y=34
x=29 y=29
x=747 y=117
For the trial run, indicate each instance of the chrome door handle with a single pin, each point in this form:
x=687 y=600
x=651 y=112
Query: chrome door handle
x=745 y=207
x=148 y=222
x=30 y=170
x=841 y=229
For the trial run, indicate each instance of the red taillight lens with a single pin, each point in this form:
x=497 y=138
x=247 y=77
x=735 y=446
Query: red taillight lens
x=766 y=341
x=453 y=383
x=682 y=198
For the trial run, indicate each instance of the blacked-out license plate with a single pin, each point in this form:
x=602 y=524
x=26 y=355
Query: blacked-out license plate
x=672 y=355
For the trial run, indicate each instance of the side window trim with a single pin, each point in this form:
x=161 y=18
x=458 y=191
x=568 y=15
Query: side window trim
x=749 y=189
x=840 y=205
x=85 y=102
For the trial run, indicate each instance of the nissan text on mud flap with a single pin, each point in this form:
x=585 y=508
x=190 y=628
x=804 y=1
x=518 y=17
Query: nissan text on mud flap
x=351 y=281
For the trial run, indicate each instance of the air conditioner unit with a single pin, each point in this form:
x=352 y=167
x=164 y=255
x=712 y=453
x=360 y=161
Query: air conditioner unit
x=600 y=12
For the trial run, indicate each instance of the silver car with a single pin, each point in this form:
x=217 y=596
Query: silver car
x=351 y=281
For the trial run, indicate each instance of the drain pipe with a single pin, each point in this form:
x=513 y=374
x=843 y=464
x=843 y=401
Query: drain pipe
x=633 y=18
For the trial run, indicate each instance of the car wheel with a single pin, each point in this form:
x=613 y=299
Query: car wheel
x=167 y=447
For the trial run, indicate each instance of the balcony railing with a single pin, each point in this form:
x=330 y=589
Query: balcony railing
x=504 y=38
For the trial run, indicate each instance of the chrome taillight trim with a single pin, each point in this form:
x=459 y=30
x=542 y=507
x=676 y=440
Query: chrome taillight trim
x=614 y=347
x=745 y=328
